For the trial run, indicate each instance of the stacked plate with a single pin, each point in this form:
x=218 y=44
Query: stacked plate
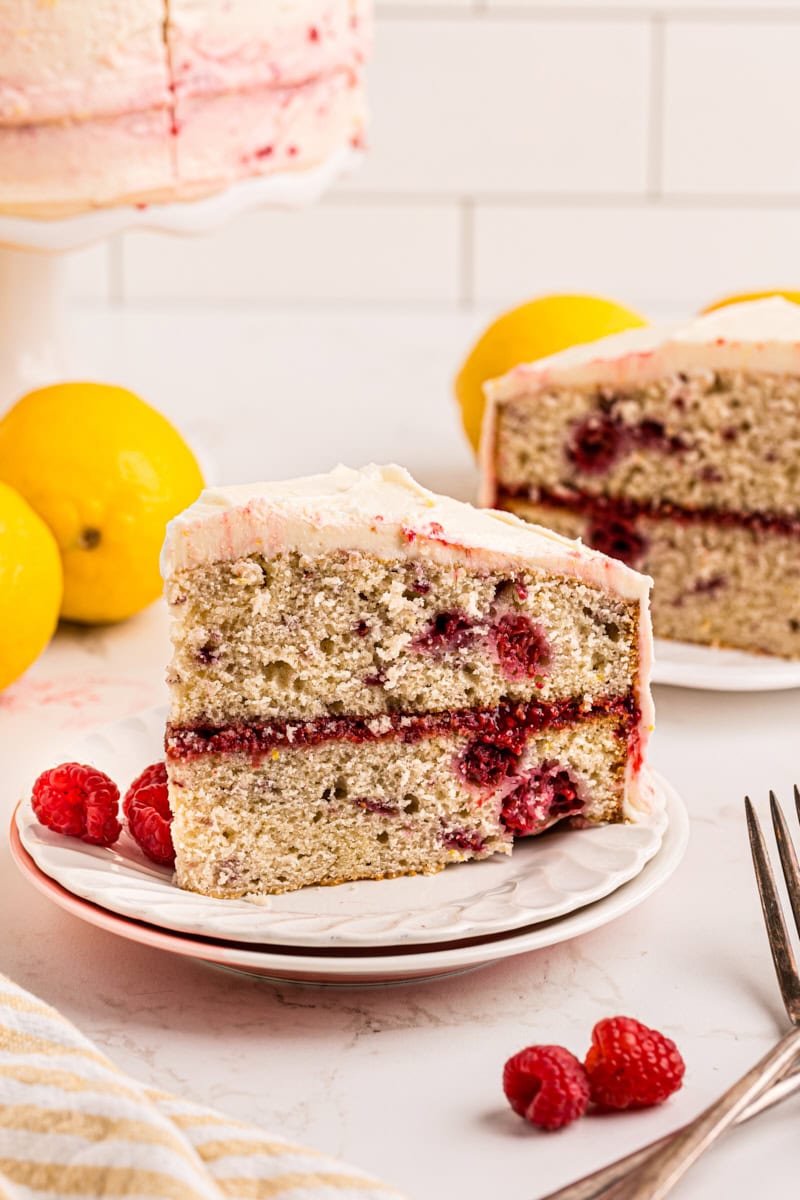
x=551 y=889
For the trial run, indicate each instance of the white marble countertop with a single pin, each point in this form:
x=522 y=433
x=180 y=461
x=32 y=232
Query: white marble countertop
x=403 y=1081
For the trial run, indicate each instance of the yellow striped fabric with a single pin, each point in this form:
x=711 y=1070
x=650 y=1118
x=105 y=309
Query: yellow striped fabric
x=73 y=1127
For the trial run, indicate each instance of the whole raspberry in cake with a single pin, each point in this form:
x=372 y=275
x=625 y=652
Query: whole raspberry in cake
x=447 y=631
x=520 y=646
x=146 y=807
x=485 y=764
x=78 y=801
x=546 y=794
x=631 y=1066
x=546 y=1085
x=595 y=444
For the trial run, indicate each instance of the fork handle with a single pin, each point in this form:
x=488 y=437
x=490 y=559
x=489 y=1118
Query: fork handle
x=599 y=1182
x=662 y=1170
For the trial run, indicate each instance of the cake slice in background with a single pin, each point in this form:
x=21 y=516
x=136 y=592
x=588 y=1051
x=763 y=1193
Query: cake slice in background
x=677 y=451
x=370 y=680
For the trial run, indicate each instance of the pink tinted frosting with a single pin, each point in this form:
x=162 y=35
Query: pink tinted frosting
x=146 y=101
x=253 y=44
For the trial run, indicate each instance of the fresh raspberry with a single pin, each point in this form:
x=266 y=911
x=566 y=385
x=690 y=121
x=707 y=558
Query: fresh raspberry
x=520 y=646
x=631 y=1066
x=78 y=801
x=546 y=1085
x=154 y=776
x=146 y=806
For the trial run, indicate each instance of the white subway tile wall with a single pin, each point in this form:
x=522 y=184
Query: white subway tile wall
x=645 y=150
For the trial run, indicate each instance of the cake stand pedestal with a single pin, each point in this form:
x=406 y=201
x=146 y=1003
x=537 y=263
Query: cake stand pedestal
x=34 y=336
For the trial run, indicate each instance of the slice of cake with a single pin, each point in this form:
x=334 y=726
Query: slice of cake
x=677 y=451
x=370 y=680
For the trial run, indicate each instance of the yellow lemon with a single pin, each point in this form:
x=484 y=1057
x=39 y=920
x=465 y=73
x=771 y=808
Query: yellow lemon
x=105 y=472
x=30 y=585
x=533 y=330
x=740 y=299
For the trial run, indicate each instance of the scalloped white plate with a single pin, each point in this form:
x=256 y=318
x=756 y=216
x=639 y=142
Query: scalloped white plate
x=545 y=878
x=709 y=668
x=386 y=965
x=291 y=189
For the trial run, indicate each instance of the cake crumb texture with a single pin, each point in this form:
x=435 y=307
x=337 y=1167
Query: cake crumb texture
x=301 y=637
x=716 y=584
x=692 y=476
x=339 y=812
x=713 y=439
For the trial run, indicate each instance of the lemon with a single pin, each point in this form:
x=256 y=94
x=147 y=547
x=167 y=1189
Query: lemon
x=105 y=472
x=30 y=585
x=740 y=299
x=533 y=330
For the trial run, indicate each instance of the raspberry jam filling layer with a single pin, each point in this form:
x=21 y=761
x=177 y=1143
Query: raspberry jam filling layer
x=505 y=728
x=605 y=509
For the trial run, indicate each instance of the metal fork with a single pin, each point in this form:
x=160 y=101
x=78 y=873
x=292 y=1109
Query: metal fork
x=598 y=1185
x=653 y=1171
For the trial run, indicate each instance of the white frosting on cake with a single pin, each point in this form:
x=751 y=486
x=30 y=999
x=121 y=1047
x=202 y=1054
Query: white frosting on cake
x=382 y=510
x=758 y=335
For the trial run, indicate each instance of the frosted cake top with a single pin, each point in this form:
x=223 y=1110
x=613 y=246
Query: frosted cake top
x=381 y=510
x=758 y=335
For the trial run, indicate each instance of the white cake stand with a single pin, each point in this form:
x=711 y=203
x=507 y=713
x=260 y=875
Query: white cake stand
x=34 y=342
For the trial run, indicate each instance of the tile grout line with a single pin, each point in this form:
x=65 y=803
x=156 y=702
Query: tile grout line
x=577 y=14
x=466 y=288
x=729 y=201
x=655 y=113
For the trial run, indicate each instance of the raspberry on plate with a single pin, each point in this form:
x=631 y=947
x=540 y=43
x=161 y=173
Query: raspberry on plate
x=78 y=801
x=154 y=776
x=631 y=1066
x=546 y=1085
x=146 y=808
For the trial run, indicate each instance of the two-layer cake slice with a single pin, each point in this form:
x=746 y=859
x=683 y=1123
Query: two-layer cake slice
x=677 y=451
x=370 y=680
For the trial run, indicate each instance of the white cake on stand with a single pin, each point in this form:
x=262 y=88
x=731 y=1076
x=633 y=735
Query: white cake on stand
x=169 y=115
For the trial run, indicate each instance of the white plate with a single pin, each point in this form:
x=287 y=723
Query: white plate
x=290 y=189
x=682 y=664
x=545 y=877
x=356 y=968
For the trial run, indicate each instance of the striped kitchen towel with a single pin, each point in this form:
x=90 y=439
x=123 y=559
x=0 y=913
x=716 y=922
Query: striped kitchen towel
x=73 y=1126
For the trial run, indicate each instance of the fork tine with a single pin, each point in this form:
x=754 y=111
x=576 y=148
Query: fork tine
x=782 y=955
x=788 y=856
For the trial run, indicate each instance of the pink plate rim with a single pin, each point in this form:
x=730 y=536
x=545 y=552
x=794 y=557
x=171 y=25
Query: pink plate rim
x=359 y=968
